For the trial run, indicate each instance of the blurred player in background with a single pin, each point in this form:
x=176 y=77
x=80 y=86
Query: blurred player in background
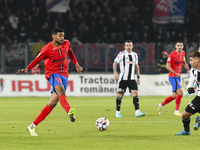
x=54 y=55
x=36 y=70
x=162 y=63
x=175 y=61
x=194 y=105
x=128 y=61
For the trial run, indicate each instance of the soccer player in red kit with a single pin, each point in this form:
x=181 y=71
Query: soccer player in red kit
x=175 y=61
x=54 y=55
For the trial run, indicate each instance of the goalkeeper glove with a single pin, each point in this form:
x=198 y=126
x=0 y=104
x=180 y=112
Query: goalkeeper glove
x=190 y=90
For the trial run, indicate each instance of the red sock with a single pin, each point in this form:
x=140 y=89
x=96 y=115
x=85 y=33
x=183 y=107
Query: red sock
x=45 y=111
x=167 y=100
x=64 y=103
x=178 y=102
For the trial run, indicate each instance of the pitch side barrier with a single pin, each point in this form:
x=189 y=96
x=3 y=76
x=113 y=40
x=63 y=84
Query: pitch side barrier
x=84 y=85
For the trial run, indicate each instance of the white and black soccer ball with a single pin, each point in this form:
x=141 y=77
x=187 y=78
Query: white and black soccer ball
x=102 y=124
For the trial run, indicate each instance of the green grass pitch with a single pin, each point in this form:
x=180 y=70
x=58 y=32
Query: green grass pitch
x=56 y=132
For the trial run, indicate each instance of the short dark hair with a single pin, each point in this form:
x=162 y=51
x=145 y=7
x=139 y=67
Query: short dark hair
x=128 y=41
x=56 y=30
x=179 y=41
x=195 y=54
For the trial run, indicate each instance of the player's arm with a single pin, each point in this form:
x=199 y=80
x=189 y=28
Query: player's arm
x=138 y=73
x=190 y=87
x=74 y=60
x=169 y=68
x=33 y=63
x=29 y=67
x=186 y=67
x=115 y=70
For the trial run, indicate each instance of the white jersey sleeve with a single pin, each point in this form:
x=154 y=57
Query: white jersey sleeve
x=119 y=57
x=192 y=78
x=136 y=58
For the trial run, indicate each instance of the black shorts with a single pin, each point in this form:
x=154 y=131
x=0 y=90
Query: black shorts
x=193 y=106
x=123 y=84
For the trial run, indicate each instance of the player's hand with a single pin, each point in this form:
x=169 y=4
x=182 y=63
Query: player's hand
x=138 y=81
x=190 y=90
x=23 y=71
x=116 y=76
x=177 y=75
x=78 y=68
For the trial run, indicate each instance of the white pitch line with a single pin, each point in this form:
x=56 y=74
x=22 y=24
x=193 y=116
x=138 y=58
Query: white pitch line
x=12 y=122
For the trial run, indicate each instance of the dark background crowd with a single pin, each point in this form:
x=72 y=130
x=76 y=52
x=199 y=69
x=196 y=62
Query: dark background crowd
x=92 y=21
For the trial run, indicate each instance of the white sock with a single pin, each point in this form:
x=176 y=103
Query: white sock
x=117 y=111
x=137 y=111
x=176 y=111
x=160 y=105
x=32 y=125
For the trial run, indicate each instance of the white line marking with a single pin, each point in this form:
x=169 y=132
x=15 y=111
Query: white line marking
x=7 y=122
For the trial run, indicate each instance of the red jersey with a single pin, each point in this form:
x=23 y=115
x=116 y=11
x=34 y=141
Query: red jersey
x=55 y=59
x=176 y=60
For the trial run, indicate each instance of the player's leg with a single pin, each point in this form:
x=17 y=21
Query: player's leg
x=118 y=104
x=170 y=98
x=192 y=108
x=60 y=89
x=179 y=92
x=197 y=123
x=186 y=124
x=44 y=113
x=133 y=89
x=121 y=88
x=64 y=103
x=59 y=84
x=138 y=113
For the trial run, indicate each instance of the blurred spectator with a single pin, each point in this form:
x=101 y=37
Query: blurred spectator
x=83 y=32
x=162 y=63
x=14 y=20
x=75 y=39
x=23 y=34
x=88 y=19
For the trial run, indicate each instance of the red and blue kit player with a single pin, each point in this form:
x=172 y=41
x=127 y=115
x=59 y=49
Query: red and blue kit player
x=175 y=61
x=54 y=56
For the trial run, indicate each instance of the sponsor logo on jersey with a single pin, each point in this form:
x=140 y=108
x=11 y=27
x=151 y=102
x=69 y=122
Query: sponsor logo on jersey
x=130 y=62
x=58 y=60
x=180 y=62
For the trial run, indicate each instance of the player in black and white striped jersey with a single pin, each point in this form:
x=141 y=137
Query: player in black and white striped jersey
x=194 y=106
x=128 y=63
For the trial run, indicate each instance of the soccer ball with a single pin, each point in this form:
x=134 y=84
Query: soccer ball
x=102 y=124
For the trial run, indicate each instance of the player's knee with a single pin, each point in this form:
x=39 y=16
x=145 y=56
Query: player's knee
x=134 y=93
x=121 y=94
x=186 y=115
x=174 y=95
x=52 y=104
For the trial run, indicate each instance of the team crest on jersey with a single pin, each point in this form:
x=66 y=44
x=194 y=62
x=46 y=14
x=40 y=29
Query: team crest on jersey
x=168 y=59
x=185 y=82
x=2 y=84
